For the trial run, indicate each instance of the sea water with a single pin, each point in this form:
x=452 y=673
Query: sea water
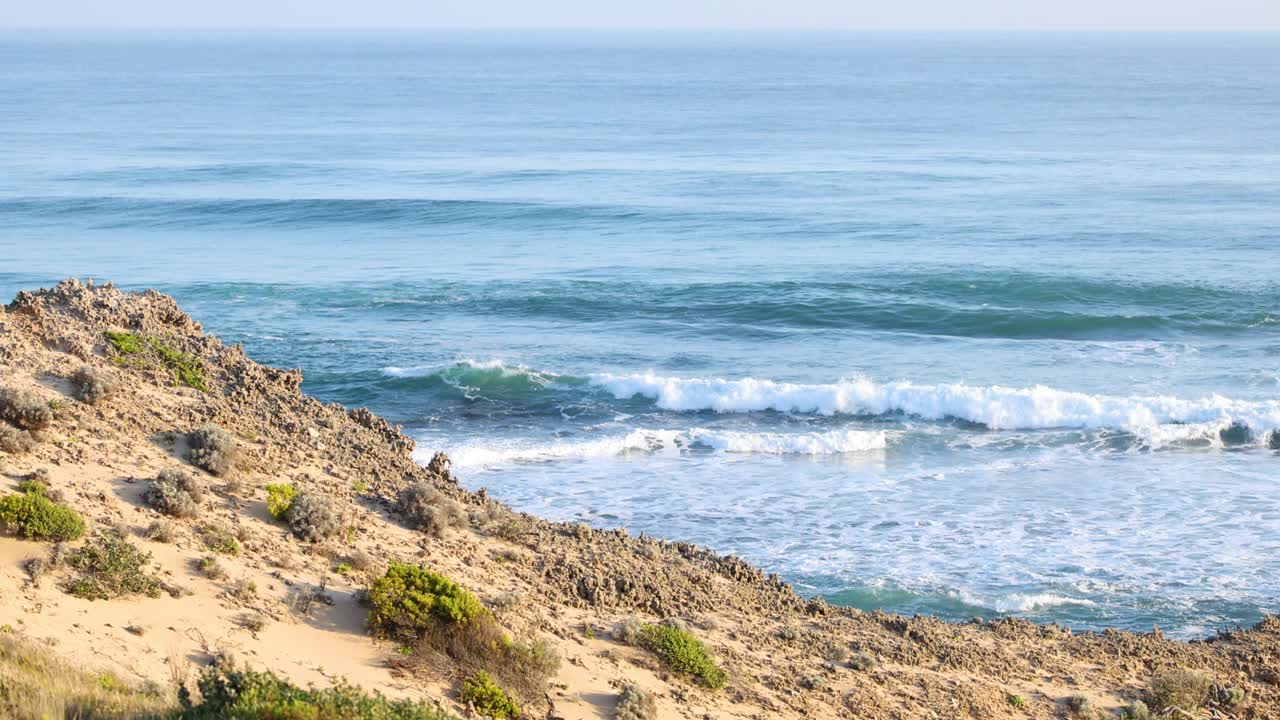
x=960 y=324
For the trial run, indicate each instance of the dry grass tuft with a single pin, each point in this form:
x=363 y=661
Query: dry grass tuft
x=35 y=684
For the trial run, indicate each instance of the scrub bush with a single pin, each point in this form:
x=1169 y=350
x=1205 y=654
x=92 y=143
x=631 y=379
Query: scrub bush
x=213 y=449
x=681 y=652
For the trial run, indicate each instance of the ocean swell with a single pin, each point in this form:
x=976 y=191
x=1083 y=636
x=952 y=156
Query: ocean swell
x=996 y=407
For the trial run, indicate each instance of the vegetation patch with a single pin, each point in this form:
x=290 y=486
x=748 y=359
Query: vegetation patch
x=313 y=518
x=111 y=567
x=15 y=441
x=681 y=652
x=482 y=693
x=636 y=704
x=247 y=694
x=1186 y=690
x=430 y=510
x=34 y=683
x=279 y=497
x=135 y=350
x=93 y=385
x=175 y=493
x=36 y=517
x=213 y=449
x=448 y=628
x=24 y=409
x=220 y=540
x=408 y=600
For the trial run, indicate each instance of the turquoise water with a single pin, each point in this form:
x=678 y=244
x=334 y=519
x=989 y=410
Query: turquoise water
x=962 y=324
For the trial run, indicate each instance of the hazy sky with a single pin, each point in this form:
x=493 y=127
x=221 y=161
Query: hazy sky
x=755 y=14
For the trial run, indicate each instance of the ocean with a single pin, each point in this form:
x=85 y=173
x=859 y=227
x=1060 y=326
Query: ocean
x=963 y=324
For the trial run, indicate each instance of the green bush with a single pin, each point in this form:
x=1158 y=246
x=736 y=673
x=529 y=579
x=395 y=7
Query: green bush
x=34 y=516
x=132 y=348
x=248 y=695
x=681 y=652
x=279 y=497
x=409 y=600
x=111 y=567
x=488 y=699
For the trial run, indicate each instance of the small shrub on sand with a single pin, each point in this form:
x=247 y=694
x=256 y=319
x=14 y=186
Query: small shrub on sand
x=230 y=693
x=482 y=693
x=279 y=497
x=221 y=540
x=175 y=493
x=36 y=517
x=628 y=630
x=211 y=568
x=1184 y=689
x=93 y=385
x=24 y=409
x=15 y=441
x=111 y=567
x=409 y=599
x=362 y=561
x=681 y=652
x=636 y=704
x=1136 y=710
x=214 y=450
x=446 y=626
x=862 y=661
x=161 y=531
x=313 y=518
x=430 y=510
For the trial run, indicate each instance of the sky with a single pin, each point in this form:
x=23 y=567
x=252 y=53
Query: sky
x=1124 y=15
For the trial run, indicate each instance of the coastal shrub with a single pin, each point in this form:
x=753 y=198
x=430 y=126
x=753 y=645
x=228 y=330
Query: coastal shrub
x=220 y=540
x=279 y=497
x=213 y=449
x=161 y=531
x=681 y=652
x=175 y=493
x=312 y=517
x=482 y=693
x=36 y=517
x=1136 y=710
x=862 y=661
x=93 y=385
x=15 y=441
x=430 y=510
x=34 y=486
x=111 y=567
x=629 y=630
x=409 y=599
x=245 y=694
x=1184 y=689
x=636 y=704
x=211 y=568
x=24 y=409
x=134 y=349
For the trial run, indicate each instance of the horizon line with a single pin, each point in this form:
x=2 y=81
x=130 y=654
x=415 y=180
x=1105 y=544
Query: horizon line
x=619 y=29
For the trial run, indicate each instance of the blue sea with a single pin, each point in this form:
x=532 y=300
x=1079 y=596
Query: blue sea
x=965 y=324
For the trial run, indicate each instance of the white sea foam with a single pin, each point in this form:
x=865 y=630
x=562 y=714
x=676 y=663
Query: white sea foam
x=1019 y=602
x=670 y=441
x=1002 y=408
